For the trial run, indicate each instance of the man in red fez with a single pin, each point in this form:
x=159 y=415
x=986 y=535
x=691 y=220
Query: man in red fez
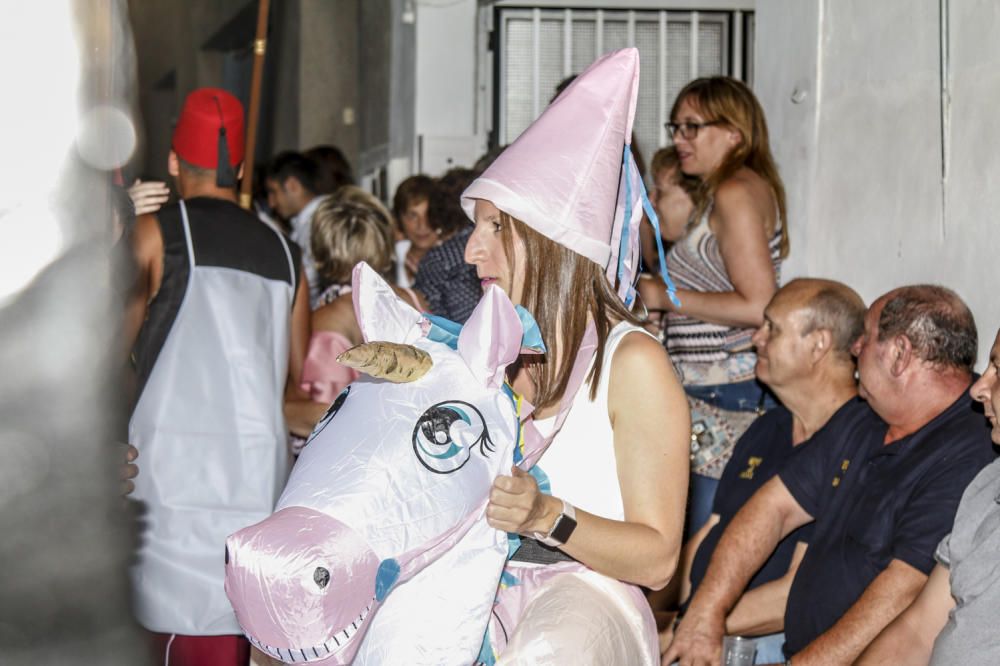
x=218 y=323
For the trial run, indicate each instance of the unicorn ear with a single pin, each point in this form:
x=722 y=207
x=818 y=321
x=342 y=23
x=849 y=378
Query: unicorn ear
x=382 y=316
x=491 y=339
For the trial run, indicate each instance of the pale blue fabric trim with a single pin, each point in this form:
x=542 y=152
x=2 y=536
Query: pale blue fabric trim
x=446 y=331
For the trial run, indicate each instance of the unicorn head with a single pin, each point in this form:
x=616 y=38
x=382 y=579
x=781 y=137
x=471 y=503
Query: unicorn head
x=393 y=476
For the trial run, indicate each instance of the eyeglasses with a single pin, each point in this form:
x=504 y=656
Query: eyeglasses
x=688 y=131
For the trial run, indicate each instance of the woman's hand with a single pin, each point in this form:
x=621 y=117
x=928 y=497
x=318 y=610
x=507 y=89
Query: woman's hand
x=516 y=505
x=148 y=197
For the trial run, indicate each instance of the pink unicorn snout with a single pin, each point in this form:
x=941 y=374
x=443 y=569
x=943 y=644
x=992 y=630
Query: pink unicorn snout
x=302 y=584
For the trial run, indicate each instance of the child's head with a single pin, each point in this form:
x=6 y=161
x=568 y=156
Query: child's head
x=409 y=205
x=673 y=193
x=344 y=233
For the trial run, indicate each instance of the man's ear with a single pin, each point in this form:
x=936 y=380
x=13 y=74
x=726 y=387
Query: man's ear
x=173 y=164
x=902 y=354
x=292 y=186
x=822 y=343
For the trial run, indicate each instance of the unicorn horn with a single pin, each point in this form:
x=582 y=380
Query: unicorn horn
x=397 y=363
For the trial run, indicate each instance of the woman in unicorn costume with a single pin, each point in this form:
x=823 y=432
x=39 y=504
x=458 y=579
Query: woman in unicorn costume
x=556 y=227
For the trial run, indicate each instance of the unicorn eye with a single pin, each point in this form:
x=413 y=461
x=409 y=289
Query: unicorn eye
x=446 y=433
x=330 y=413
x=321 y=577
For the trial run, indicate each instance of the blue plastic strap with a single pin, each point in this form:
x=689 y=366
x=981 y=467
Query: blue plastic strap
x=655 y=221
x=623 y=245
x=446 y=331
x=443 y=330
x=531 y=337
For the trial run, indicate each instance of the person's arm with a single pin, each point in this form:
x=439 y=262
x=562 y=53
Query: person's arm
x=762 y=610
x=689 y=552
x=147 y=248
x=741 y=215
x=301 y=328
x=651 y=452
x=652 y=302
x=909 y=639
x=647 y=246
x=767 y=517
x=884 y=599
x=301 y=411
x=665 y=602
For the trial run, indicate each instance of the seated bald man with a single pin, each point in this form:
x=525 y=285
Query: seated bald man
x=882 y=492
x=804 y=357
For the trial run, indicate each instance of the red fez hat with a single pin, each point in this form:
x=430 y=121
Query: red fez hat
x=209 y=114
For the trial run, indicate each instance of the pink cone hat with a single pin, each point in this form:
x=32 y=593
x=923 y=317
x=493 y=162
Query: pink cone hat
x=564 y=176
x=561 y=175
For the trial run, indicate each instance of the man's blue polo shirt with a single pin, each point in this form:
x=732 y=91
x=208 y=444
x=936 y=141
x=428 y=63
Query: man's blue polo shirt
x=761 y=452
x=876 y=502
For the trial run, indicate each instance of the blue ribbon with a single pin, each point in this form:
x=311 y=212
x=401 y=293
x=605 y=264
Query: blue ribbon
x=447 y=331
x=655 y=221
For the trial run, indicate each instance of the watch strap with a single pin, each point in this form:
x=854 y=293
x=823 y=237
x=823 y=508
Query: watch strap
x=561 y=529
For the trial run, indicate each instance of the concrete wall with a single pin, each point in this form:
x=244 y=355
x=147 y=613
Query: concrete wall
x=446 y=87
x=168 y=38
x=311 y=78
x=861 y=153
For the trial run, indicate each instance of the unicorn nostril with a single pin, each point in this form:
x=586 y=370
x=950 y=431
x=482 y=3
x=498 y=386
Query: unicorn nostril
x=227 y=554
x=321 y=577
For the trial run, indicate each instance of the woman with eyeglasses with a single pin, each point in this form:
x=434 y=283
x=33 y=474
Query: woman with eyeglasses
x=726 y=268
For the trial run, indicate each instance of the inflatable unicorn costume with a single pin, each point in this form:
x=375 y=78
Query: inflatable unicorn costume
x=394 y=479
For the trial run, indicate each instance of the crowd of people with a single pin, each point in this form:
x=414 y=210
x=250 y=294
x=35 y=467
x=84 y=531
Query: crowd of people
x=771 y=461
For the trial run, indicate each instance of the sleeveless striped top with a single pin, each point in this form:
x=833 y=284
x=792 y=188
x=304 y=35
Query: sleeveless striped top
x=705 y=353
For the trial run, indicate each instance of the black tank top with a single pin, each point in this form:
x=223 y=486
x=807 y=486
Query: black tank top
x=222 y=235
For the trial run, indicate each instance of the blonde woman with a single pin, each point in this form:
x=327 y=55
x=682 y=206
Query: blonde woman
x=726 y=268
x=343 y=234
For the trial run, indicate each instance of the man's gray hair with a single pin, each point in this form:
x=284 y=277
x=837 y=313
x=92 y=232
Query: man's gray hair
x=936 y=321
x=838 y=309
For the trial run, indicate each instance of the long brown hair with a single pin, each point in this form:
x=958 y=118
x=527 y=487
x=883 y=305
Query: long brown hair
x=561 y=288
x=729 y=101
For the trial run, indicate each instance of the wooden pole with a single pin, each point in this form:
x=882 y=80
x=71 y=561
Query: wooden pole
x=259 y=49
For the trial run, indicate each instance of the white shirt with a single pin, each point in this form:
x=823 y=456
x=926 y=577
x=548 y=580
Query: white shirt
x=301 y=224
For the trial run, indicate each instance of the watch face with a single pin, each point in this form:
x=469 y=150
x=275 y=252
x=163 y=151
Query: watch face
x=563 y=528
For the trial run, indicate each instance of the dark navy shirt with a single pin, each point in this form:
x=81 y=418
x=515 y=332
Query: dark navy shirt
x=758 y=455
x=873 y=503
x=450 y=285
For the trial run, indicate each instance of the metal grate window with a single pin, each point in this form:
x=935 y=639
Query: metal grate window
x=539 y=47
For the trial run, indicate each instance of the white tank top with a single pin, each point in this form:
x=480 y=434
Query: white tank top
x=580 y=461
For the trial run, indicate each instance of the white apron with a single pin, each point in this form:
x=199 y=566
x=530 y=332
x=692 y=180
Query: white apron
x=212 y=441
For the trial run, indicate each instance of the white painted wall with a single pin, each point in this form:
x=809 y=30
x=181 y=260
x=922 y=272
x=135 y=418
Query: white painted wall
x=861 y=155
x=852 y=93
x=446 y=129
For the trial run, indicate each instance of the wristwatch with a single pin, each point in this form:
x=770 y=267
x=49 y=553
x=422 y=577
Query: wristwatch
x=561 y=529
